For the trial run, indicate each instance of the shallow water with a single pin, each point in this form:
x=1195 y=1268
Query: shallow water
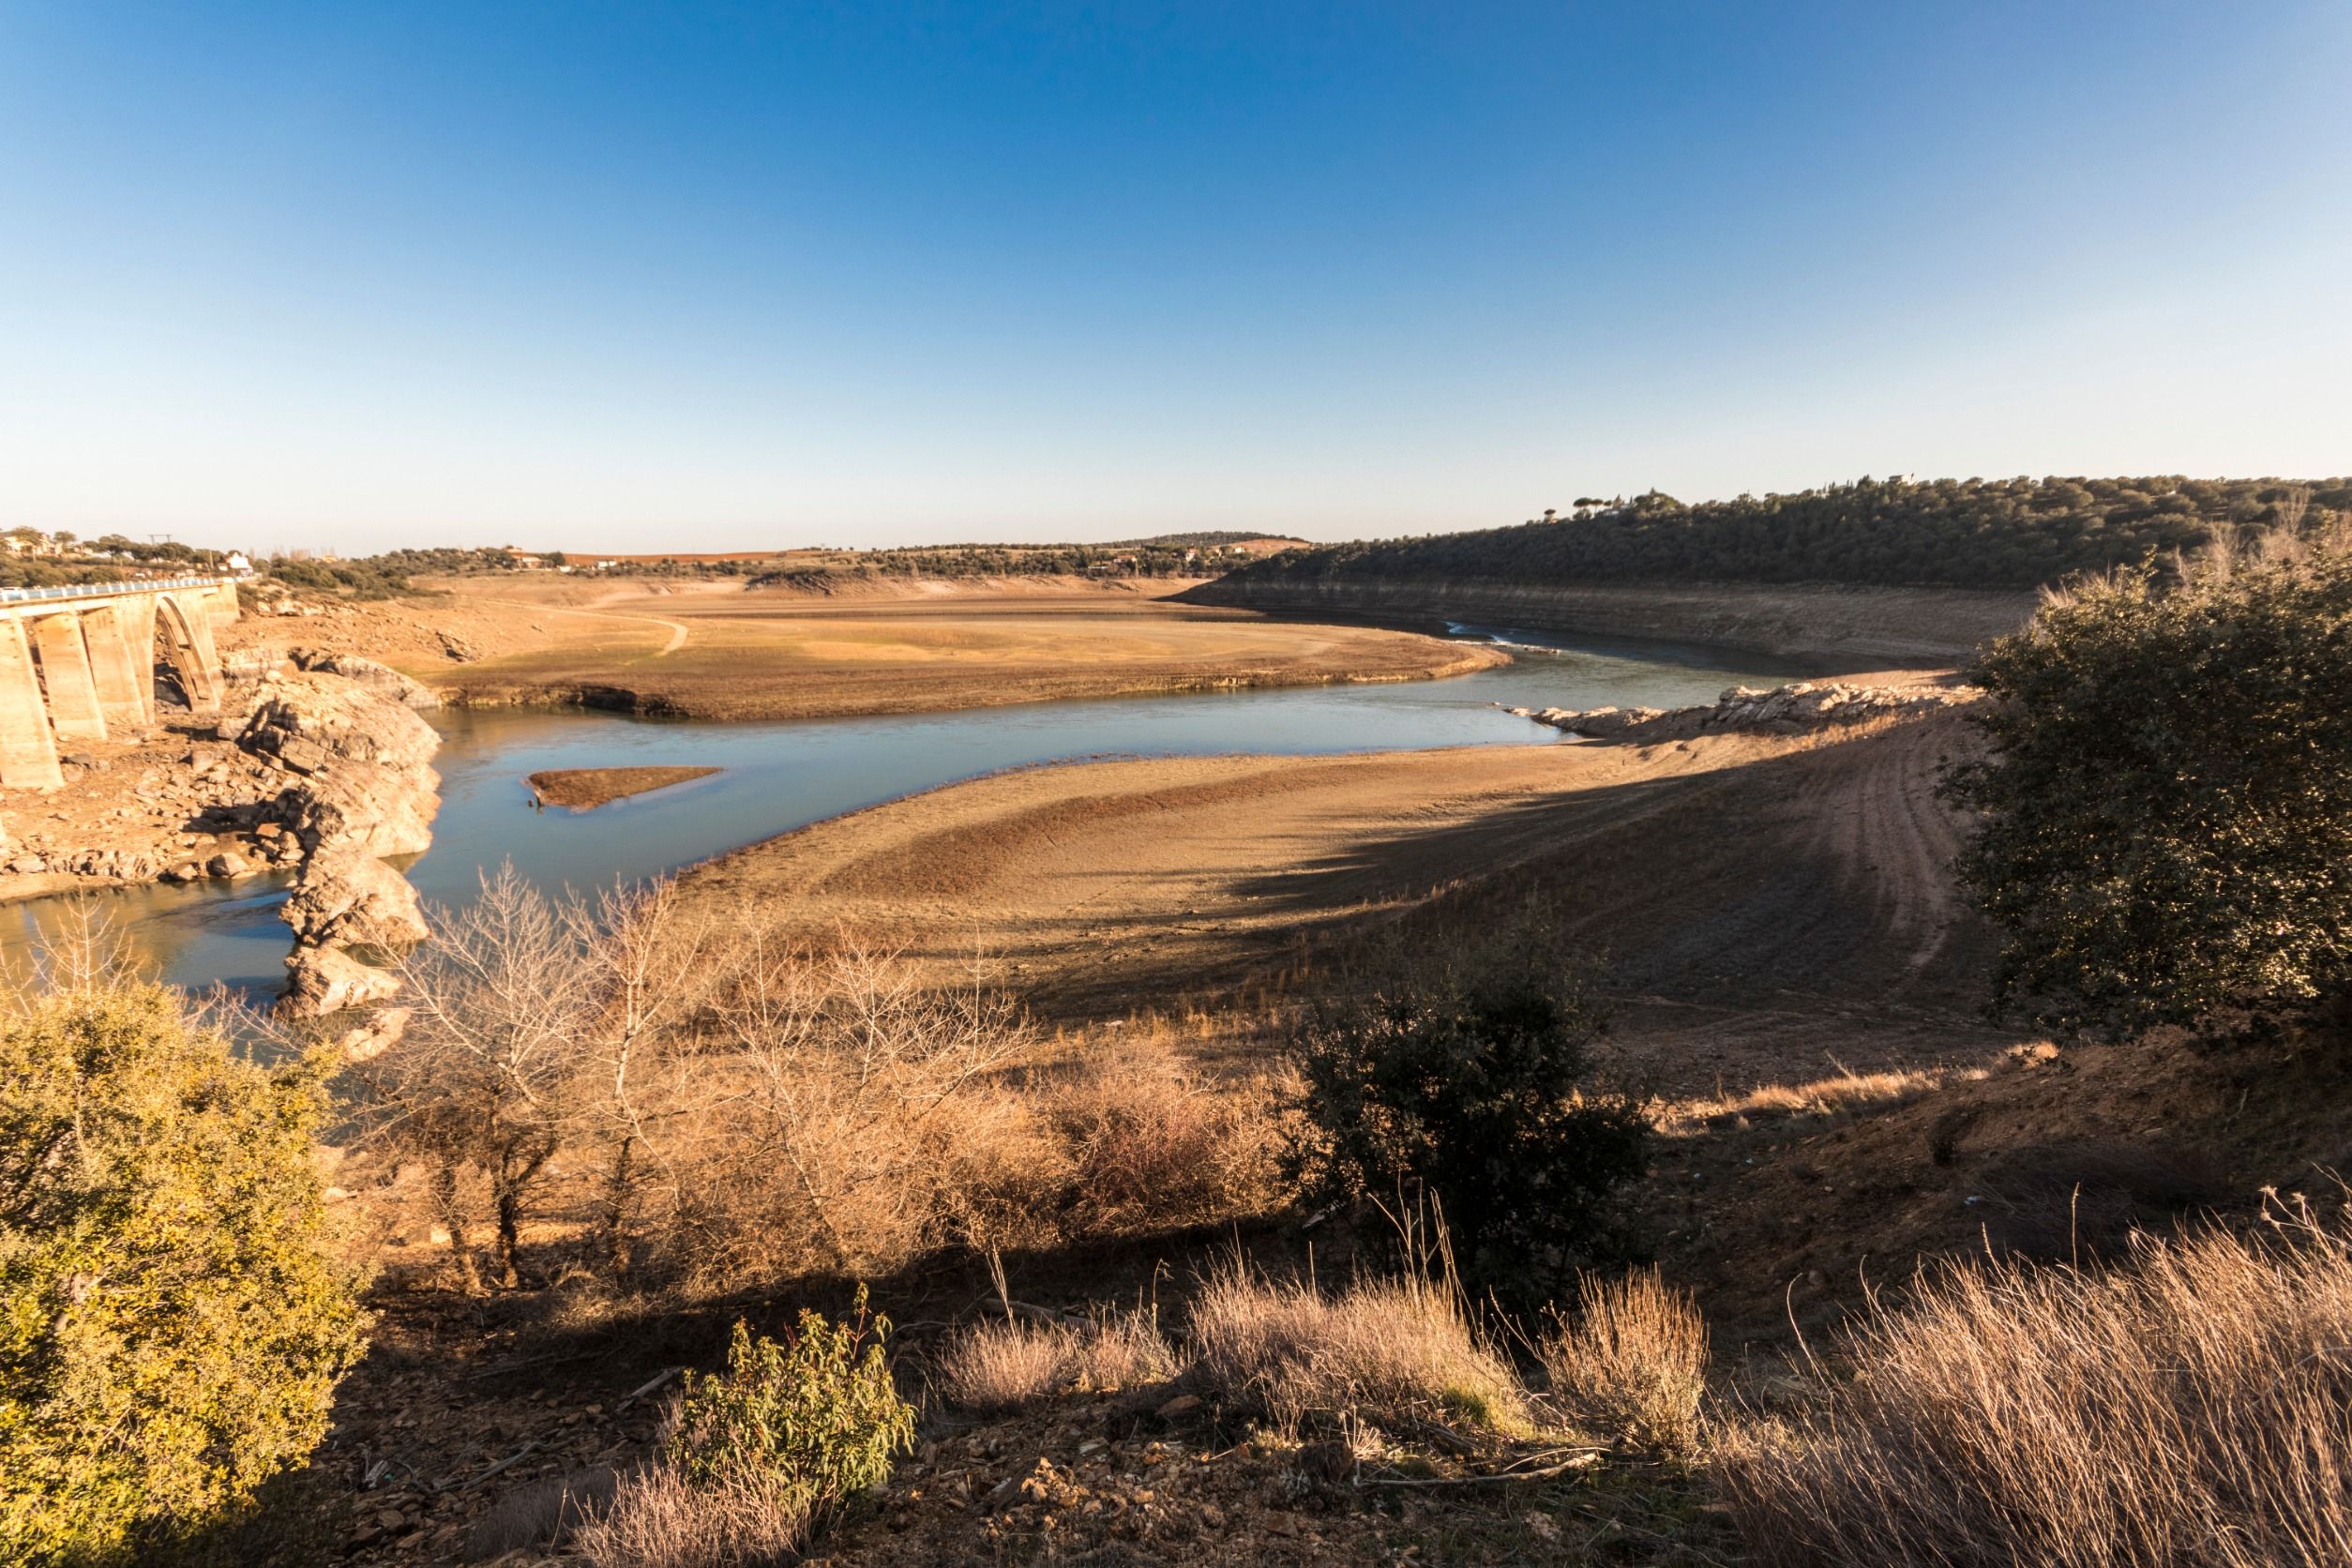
x=786 y=775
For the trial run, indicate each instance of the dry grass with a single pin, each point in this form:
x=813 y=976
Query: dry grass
x=1154 y=1146
x=1123 y=1350
x=2191 y=1411
x=1828 y=1096
x=1004 y=1365
x=1378 y=1350
x=658 y=1519
x=1011 y=1363
x=1633 y=1358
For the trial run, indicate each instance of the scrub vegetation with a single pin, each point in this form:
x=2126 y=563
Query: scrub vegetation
x=174 y=1310
x=1592 y=1158
x=1946 y=533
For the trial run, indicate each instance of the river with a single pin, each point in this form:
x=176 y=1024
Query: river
x=781 y=775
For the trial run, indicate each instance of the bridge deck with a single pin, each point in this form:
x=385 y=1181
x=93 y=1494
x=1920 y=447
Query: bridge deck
x=69 y=591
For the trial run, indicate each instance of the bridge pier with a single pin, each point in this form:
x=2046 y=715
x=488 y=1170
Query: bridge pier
x=120 y=665
x=76 y=662
x=28 y=752
x=73 y=699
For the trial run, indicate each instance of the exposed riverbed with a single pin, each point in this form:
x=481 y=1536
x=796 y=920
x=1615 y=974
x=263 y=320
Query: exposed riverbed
x=780 y=775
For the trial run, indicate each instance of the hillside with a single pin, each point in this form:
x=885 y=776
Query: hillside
x=1978 y=534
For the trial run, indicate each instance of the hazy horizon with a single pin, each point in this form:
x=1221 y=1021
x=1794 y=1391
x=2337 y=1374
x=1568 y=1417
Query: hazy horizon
x=714 y=279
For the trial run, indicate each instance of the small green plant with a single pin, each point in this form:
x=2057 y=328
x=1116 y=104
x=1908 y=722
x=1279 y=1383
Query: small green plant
x=816 y=1418
x=173 y=1318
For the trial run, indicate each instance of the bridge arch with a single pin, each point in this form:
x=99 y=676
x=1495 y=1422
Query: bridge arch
x=185 y=621
x=77 y=663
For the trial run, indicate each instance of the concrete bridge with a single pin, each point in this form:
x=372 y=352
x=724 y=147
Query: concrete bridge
x=79 y=663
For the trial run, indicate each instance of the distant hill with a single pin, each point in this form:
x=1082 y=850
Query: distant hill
x=1227 y=539
x=1945 y=532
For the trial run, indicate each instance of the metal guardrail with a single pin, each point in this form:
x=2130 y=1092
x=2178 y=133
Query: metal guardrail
x=107 y=590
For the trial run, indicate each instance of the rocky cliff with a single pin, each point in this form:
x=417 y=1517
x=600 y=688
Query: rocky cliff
x=362 y=789
x=1857 y=627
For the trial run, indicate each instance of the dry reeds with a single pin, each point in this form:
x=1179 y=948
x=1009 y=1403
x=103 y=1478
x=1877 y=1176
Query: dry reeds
x=2191 y=1411
x=658 y=1519
x=1011 y=1363
x=1381 y=1350
x=1633 y=1358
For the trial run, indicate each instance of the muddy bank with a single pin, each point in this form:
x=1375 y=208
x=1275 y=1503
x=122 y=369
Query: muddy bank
x=585 y=788
x=1919 y=627
x=718 y=685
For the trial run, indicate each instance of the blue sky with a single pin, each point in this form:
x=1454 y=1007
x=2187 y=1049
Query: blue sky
x=722 y=277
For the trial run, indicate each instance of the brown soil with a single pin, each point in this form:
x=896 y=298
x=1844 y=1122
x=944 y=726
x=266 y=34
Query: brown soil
x=1798 y=984
x=712 y=650
x=585 y=788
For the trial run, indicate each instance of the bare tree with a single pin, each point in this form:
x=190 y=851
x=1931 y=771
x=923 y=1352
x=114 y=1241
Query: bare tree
x=651 y=961
x=486 y=1073
x=844 y=1056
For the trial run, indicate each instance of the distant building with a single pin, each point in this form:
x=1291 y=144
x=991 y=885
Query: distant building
x=234 y=561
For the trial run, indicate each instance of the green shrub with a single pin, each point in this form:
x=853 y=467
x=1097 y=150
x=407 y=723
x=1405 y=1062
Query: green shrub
x=172 y=1321
x=816 y=1419
x=1465 y=1083
x=2167 y=799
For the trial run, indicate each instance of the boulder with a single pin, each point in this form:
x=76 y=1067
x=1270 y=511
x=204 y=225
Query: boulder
x=365 y=806
x=380 y=679
x=380 y=1034
x=340 y=716
x=327 y=980
x=347 y=897
x=229 y=864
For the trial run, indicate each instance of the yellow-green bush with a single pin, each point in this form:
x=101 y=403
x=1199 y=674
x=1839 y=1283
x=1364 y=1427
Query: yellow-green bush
x=172 y=1319
x=818 y=1417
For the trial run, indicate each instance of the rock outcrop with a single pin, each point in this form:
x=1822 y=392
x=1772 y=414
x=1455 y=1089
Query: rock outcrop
x=309 y=718
x=317 y=764
x=362 y=789
x=347 y=897
x=328 y=980
x=382 y=679
x=1806 y=704
x=384 y=811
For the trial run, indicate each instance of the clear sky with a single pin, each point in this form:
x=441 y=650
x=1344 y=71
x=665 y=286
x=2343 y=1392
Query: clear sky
x=603 y=275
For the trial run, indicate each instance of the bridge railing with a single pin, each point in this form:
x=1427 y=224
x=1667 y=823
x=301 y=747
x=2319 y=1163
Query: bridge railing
x=103 y=590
